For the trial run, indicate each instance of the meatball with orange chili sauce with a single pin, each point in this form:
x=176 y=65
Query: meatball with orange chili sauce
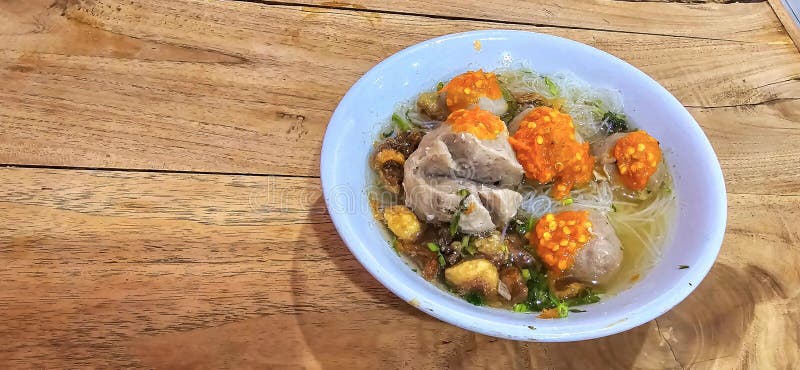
x=638 y=156
x=475 y=89
x=580 y=245
x=634 y=160
x=546 y=147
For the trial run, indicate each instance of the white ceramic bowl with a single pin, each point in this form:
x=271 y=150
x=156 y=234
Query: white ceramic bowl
x=356 y=123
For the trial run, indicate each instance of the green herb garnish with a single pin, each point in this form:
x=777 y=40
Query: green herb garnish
x=615 y=122
x=388 y=134
x=576 y=310
x=439 y=86
x=435 y=248
x=526 y=274
x=512 y=105
x=462 y=206
x=562 y=309
x=524 y=226
x=540 y=297
x=567 y=201
x=467 y=249
x=521 y=307
x=474 y=298
x=586 y=297
x=683 y=267
x=613 y=208
x=403 y=124
x=551 y=86
x=472 y=249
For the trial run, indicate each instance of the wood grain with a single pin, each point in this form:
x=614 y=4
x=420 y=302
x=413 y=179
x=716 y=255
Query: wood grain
x=239 y=87
x=748 y=21
x=119 y=268
x=789 y=25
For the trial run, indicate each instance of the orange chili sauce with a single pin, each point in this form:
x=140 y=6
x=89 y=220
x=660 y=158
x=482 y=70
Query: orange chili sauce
x=558 y=237
x=483 y=124
x=546 y=148
x=465 y=89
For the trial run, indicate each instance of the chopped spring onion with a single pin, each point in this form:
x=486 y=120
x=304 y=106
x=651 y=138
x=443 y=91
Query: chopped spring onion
x=567 y=201
x=511 y=102
x=682 y=267
x=563 y=309
x=439 y=86
x=388 y=133
x=433 y=247
x=441 y=260
x=471 y=249
x=462 y=206
x=526 y=274
x=521 y=307
x=551 y=86
x=403 y=124
x=523 y=228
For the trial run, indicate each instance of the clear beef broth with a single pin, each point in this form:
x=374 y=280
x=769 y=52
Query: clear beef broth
x=506 y=260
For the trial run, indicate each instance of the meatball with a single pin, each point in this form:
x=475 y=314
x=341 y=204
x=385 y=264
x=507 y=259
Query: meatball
x=601 y=257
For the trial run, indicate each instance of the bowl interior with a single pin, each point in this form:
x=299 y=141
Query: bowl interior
x=695 y=236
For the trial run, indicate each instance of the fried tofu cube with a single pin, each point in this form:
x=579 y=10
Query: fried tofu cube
x=474 y=275
x=402 y=222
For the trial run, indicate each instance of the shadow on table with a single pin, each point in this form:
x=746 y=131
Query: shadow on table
x=711 y=323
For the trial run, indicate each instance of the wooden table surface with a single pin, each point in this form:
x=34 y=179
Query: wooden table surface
x=160 y=201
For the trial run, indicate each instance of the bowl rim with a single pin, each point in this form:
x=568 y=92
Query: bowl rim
x=463 y=319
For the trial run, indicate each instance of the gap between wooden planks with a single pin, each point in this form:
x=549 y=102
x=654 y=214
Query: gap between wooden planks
x=235 y=87
x=747 y=21
x=127 y=268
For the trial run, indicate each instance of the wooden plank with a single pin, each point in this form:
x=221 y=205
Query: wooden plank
x=790 y=26
x=756 y=145
x=239 y=87
x=715 y=19
x=247 y=271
